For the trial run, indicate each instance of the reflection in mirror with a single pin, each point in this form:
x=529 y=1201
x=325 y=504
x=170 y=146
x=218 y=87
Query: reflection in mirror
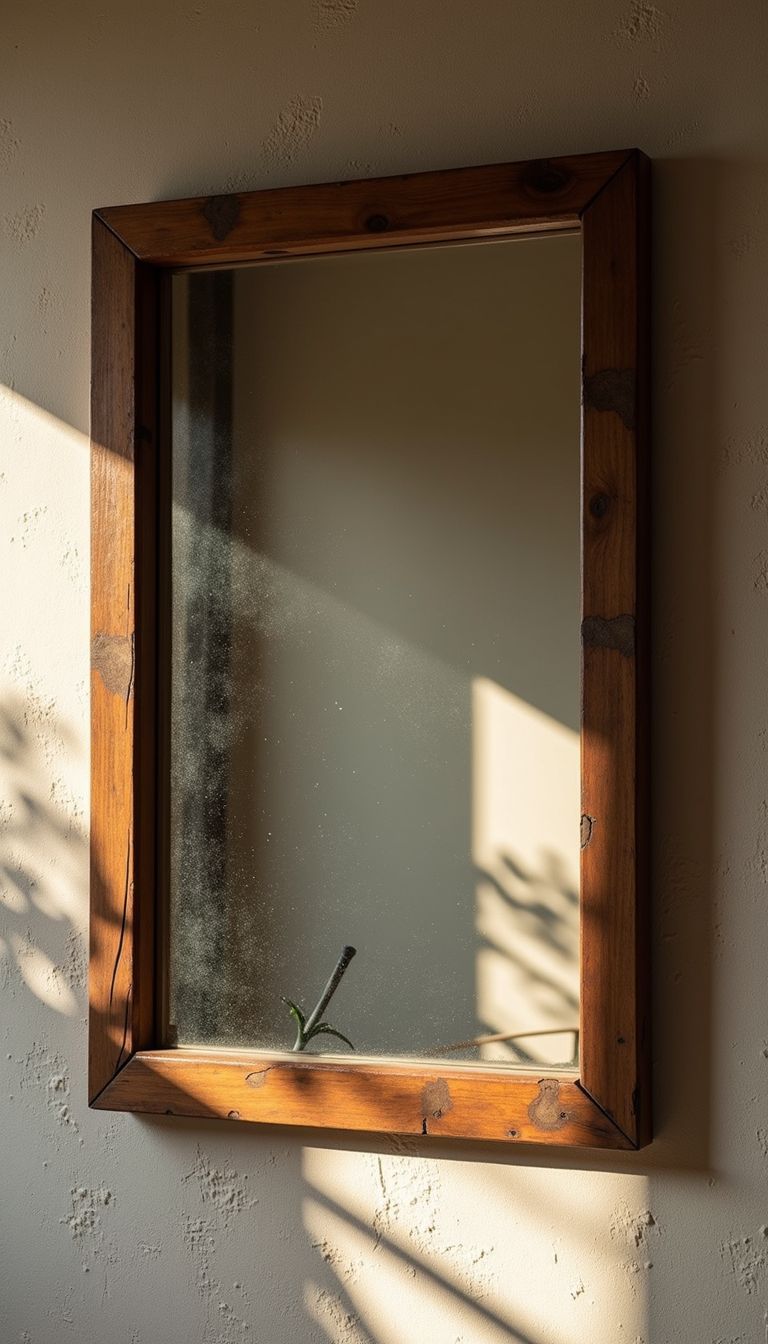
x=375 y=653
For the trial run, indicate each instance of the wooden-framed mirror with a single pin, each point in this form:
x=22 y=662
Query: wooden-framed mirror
x=370 y=654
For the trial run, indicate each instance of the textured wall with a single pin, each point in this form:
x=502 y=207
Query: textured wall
x=162 y=1232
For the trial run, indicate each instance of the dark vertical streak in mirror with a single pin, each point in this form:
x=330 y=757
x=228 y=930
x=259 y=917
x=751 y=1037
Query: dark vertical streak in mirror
x=202 y=748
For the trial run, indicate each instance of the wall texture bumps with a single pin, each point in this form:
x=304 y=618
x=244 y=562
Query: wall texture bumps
x=117 y=1230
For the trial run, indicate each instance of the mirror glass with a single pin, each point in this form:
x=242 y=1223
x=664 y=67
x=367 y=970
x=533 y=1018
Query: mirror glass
x=374 y=651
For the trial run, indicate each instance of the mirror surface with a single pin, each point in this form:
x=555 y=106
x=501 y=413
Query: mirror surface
x=374 y=643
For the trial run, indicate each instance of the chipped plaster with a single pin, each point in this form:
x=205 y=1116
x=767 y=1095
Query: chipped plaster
x=330 y=14
x=292 y=131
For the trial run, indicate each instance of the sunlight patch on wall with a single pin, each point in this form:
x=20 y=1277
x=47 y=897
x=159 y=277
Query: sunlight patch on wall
x=389 y=1287
x=44 y=510
x=43 y=977
x=405 y=1247
x=525 y=848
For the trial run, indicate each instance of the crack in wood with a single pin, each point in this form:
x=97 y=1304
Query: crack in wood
x=124 y=921
x=125 y=1033
x=612 y=390
x=119 y=954
x=616 y=632
x=129 y=688
x=259 y=1078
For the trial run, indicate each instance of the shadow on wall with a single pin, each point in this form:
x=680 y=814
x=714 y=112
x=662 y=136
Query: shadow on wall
x=44 y=962
x=688 y=432
x=527 y=923
x=425 y=1265
x=462 y=1309
x=688 y=429
x=43 y=865
x=43 y=868
x=43 y=946
x=368 y=1257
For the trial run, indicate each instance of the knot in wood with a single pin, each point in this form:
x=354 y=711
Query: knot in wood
x=545 y=177
x=377 y=223
x=221 y=214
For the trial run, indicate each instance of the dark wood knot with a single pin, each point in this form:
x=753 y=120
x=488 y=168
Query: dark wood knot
x=612 y=390
x=616 y=632
x=221 y=214
x=599 y=505
x=546 y=177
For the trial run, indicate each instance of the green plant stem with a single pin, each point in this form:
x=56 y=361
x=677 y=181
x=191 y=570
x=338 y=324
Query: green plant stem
x=347 y=953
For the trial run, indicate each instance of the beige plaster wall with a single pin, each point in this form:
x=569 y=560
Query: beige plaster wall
x=115 y=1229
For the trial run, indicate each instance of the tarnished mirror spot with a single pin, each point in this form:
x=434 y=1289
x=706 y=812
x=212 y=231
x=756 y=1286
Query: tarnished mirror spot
x=545 y=1111
x=618 y=632
x=612 y=390
x=112 y=658
x=222 y=214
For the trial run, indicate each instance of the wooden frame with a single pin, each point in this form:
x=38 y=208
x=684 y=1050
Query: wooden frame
x=135 y=249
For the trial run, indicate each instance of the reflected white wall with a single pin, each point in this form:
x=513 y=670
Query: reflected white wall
x=525 y=846
x=376 y=506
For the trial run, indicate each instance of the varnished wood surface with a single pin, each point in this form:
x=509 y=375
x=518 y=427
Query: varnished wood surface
x=615 y=721
x=135 y=247
x=377 y=212
x=113 y=658
x=123 y=681
x=385 y=1098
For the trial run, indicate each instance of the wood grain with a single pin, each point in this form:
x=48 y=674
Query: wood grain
x=615 y=720
x=124 y=385
x=134 y=250
x=377 y=212
x=384 y=1098
x=113 y=657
